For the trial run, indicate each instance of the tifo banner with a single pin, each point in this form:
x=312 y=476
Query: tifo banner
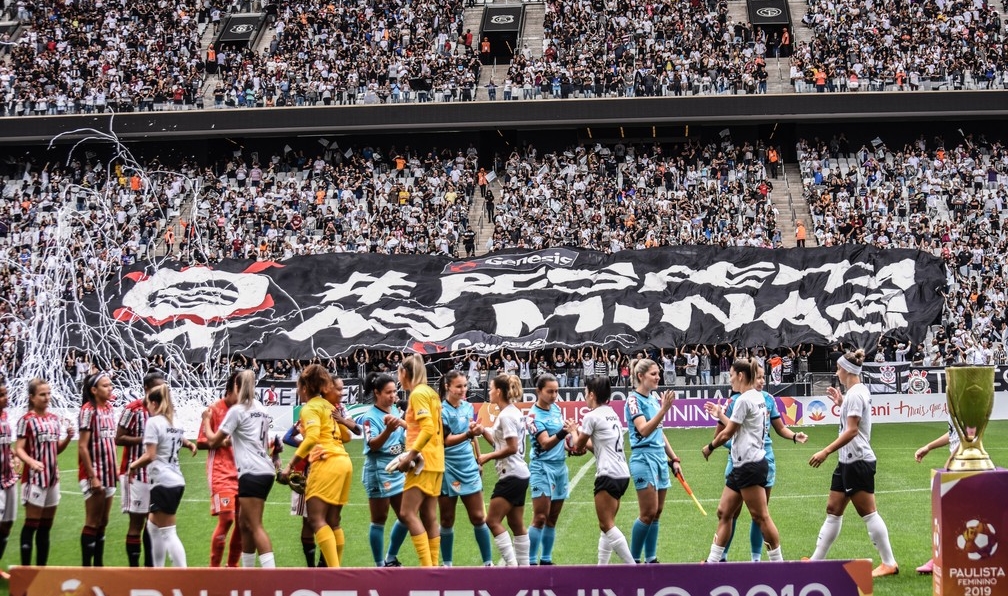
x=811 y=578
x=332 y=304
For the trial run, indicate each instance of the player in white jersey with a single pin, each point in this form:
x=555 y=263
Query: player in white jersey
x=854 y=477
x=508 y=498
x=247 y=423
x=162 y=442
x=950 y=438
x=601 y=426
x=747 y=429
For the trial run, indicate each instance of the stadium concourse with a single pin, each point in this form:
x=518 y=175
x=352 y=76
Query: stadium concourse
x=941 y=197
x=60 y=58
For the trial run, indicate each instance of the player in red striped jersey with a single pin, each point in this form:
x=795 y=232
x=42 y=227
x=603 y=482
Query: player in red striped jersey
x=135 y=496
x=222 y=476
x=39 y=444
x=8 y=477
x=97 y=469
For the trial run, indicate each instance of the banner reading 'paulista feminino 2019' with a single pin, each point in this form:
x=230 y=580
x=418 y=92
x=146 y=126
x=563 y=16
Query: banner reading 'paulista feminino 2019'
x=660 y=297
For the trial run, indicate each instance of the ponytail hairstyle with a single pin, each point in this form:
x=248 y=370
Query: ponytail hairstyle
x=598 y=385
x=446 y=380
x=416 y=370
x=374 y=383
x=852 y=361
x=89 y=384
x=245 y=384
x=748 y=367
x=509 y=386
x=313 y=380
x=640 y=366
x=160 y=397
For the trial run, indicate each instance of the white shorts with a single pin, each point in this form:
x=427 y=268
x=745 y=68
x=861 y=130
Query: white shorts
x=135 y=495
x=8 y=503
x=298 y=505
x=37 y=496
x=85 y=487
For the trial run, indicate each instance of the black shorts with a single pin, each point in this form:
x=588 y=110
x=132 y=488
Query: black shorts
x=512 y=490
x=255 y=486
x=614 y=486
x=853 y=477
x=165 y=499
x=749 y=474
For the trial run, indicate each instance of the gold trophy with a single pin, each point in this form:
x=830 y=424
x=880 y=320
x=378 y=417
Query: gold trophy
x=970 y=394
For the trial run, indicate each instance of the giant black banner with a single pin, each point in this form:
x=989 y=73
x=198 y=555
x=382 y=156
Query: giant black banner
x=330 y=304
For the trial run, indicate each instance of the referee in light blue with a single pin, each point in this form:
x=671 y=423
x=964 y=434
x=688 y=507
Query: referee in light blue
x=548 y=468
x=384 y=439
x=651 y=455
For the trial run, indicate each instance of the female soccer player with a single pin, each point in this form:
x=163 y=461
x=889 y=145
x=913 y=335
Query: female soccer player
x=325 y=432
x=96 y=470
x=222 y=476
x=747 y=429
x=548 y=469
x=247 y=425
x=854 y=477
x=384 y=439
x=162 y=441
x=424 y=436
x=951 y=439
x=507 y=436
x=651 y=455
x=602 y=432
x=463 y=477
x=38 y=446
x=8 y=477
x=135 y=496
x=723 y=414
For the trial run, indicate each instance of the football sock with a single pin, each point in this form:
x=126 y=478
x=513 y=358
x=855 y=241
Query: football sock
x=483 y=540
x=535 y=541
x=376 y=538
x=99 y=551
x=775 y=554
x=395 y=540
x=28 y=540
x=248 y=560
x=308 y=548
x=755 y=541
x=133 y=550
x=87 y=544
x=434 y=549
x=548 y=539
x=422 y=546
x=715 y=553
x=637 y=536
x=618 y=544
x=42 y=541
x=521 y=548
x=507 y=551
x=148 y=558
x=604 y=549
x=158 y=551
x=340 y=543
x=827 y=534
x=651 y=542
x=234 y=547
x=218 y=540
x=447 y=543
x=879 y=535
x=172 y=544
x=267 y=560
x=326 y=541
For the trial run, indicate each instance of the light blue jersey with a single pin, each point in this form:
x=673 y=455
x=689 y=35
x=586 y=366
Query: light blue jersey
x=377 y=482
x=462 y=474
x=648 y=406
x=551 y=421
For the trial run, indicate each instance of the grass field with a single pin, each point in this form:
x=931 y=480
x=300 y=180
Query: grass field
x=797 y=506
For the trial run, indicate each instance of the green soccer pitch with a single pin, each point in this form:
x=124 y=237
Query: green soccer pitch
x=797 y=505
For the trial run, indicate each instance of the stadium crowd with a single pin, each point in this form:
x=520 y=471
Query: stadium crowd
x=885 y=46
x=610 y=198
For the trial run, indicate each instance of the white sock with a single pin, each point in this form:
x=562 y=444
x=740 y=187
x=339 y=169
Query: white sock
x=716 y=552
x=604 y=550
x=756 y=557
x=248 y=560
x=827 y=534
x=775 y=554
x=503 y=542
x=267 y=561
x=879 y=535
x=158 y=550
x=173 y=545
x=521 y=548
x=618 y=543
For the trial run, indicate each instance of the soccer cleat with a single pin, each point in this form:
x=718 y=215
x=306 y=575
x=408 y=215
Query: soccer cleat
x=883 y=570
x=545 y=562
x=926 y=568
x=394 y=562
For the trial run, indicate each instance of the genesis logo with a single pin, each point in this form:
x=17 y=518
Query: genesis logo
x=242 y=29
x=502 y=19
x=555 y=257
x=769 y=12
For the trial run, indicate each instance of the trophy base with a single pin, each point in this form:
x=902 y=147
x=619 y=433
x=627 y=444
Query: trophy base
x=971 y=460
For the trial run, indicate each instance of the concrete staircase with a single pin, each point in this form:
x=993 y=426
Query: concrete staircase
x=478 y=220
x=791 y=205
x=532 y=39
